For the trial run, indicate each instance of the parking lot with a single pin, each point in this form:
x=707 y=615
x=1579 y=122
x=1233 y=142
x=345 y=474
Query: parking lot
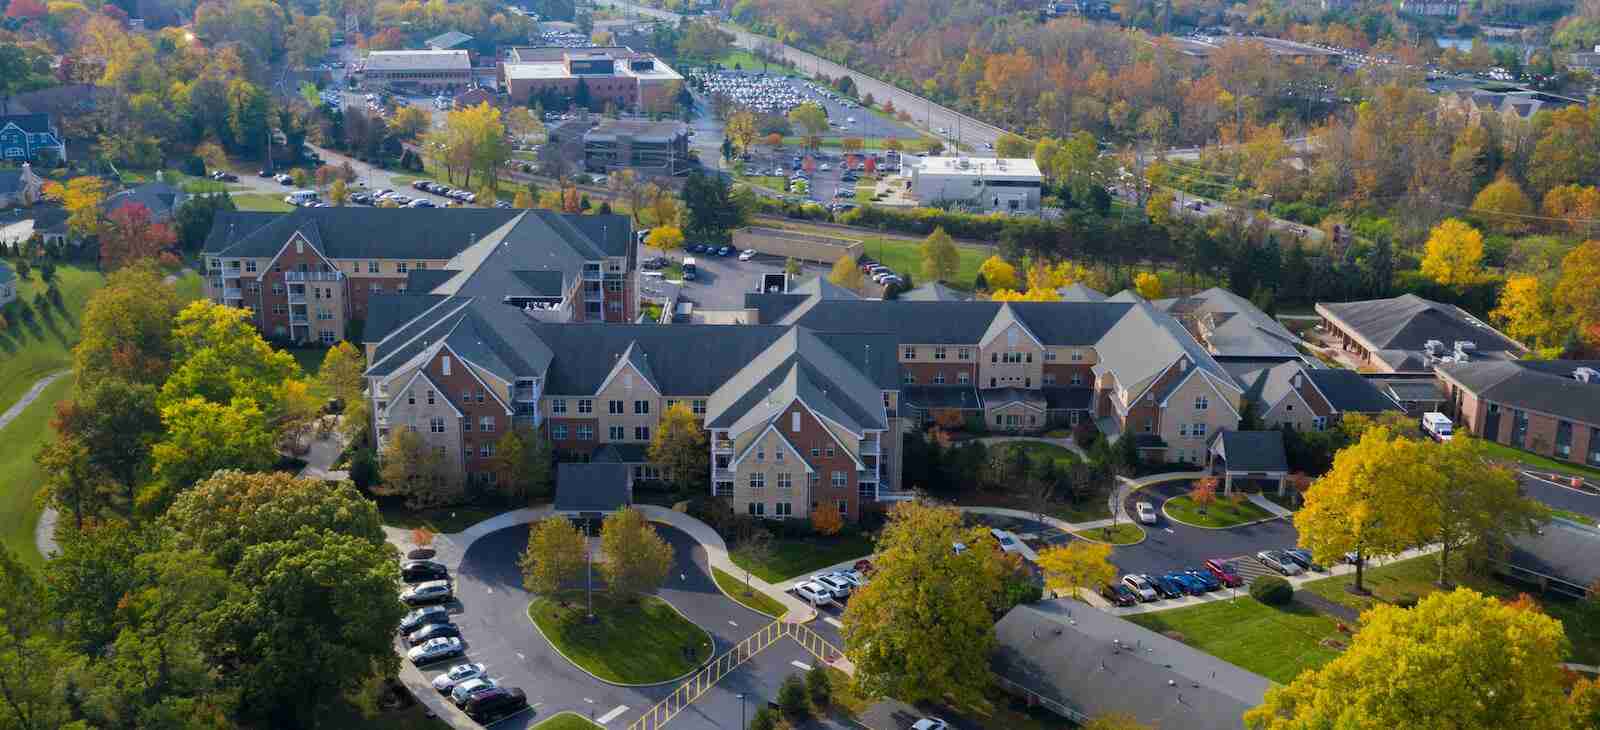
x=775 y=94
x=722 y=281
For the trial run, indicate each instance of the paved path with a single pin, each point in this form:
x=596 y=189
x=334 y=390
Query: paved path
x=1270 y=506
x=44 y=533
x=1322 y=605
x=321 y=458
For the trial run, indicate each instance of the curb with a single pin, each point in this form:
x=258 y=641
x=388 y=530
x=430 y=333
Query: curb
x=528 y=612
x=730 y=597
x=567 y=712
x=1164 y=513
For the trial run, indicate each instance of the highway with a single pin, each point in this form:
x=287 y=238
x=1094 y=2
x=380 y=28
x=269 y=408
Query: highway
x=965 y=131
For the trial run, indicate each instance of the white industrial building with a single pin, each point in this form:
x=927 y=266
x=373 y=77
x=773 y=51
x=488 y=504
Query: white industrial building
x=1008 y=184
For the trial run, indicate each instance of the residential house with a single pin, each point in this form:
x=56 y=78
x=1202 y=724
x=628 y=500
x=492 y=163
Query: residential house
x=1305 y=397
x=161 y=199
x=1256 y=456
x=1082 y=663
x=1231 y=326
x=935 y=291
x=1549 y=407
x=310 y=274
x=1409 y=334
x=47 y=222
x=30 y=137
x=20 y=188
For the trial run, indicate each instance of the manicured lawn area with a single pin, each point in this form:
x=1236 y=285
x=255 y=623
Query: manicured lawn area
x=1037 y=450
x=261 y=201
x=752 y=599
x=442 y=521
x=630 y=643
x=906 y=257
x=1221 y=513
x=566 y=721
x=1528 y=458
x=1275 y=643
x=791 y=557
x=20 y=478
x=745 y=60
x=1413 y=578
x=1120 y=534
x=865 y=188
x=310 y=358
x=33 y=349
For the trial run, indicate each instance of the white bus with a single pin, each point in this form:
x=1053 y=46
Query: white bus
x=300 y=197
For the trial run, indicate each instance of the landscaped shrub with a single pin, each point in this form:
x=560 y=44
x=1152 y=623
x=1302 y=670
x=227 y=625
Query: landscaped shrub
x=792 y=698
x=819 y=687
x=1271 y=590
x=764 y=719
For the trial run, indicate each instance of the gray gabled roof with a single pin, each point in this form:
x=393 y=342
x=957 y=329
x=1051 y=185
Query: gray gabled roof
x=358 y=233
x=448 y=40
x=539 y=253
x=1348 y=392
x=1077 y=292
x=1400 y=327
x=1096 y=664
x=799 y=364
x=489 y=334
x=1252 y=451
x=687 y=360
x=1238 y=328
x=934 y=292
x=591 y=487
x=385 y=312
x=159 y=198
x=1146 y=341
x=923 y=323
x=1547 y=386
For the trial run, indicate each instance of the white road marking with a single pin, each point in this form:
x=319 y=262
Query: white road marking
x=730 y=623
x=520 y=656
x=490 y=590
x=1168 y=529
x=801 y=665
x=586 y=699
x=612 y=715
x=1569 y=488
x=831 y=621
x=683 y=576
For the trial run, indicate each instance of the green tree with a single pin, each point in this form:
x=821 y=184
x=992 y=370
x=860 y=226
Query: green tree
x=811 y=118
x=792 y=698
x=341 y=376
x=1364 y=504
x=1011 y=145
x=941 y=261
x=71 y=483
x=1456 y=660
x=523 y=464
x=679 y=447
x=411 y=469
x=127 y=329
x=636 y=558
x=921 y=630
x=29 y=700
x=711 y=213
x=220 y=357
x=232 y=510
x=116 y=422
x=1470 y=504
x=202 y=437
x=555 y=557
x=846 y=273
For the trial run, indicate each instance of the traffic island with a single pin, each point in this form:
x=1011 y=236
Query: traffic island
x=1119 y=534
x=1219 y=515
x=631 y=643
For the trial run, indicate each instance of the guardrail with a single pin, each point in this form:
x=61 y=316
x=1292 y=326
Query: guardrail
x=703 y=680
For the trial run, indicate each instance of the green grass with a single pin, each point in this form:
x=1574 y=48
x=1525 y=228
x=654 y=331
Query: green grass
x=1221 y=513
x=566 y=721
x=905 y=256
x=20 y=478
x=189 y=287
x=310 y=358
x=747 y=61
x=752 y=599
x=865 y=188
x=790 y=557
x=1507 y=453
x=266 y=202
x=1120 y=534
x=1276 y=643
x=1579 y=518
x=1414 y=578
x=835 y=139
x=443 y=520
x=32 y=350
x=629 y=643
x=1038 y=450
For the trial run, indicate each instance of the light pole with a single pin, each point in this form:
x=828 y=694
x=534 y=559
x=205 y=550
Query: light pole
x=742 y=724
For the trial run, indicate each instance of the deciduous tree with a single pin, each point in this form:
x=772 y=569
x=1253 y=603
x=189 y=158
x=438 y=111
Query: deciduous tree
x=555 y=557
x=741 y=128
x=846 y=273
x=1504 y=205
x=1011 y=145
x=232 y=510
x=679 y=447
x=1454 y=255
x=1148 y=285
x=523 y=465
x=1469 y=504
x=825 y=518
x=1579 y=286
x=941 y=260
x=1527 y=312
x=203 y=436
x=1078 y=564
x=413 y=470
x=998 y=273
x=1204 y=493
x=81 y=198
x=666 y=238
x=636 y=558
x=1364 y=504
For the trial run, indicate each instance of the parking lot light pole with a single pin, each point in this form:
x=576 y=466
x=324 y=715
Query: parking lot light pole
x=742 y=724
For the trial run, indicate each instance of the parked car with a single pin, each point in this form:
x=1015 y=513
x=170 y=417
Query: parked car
x=725 y=251
x=422 y=553
x=930 y=723
x=361 y=198
x=1164 y=588
x=1140 y=587
x=1226 y=572
x=221 y=176
x=464 y=691
x=1276 y=560
x=283 y=179
x=1147 y=512
x=417 y=571
x=839 y=586
x=435 y=651
x=814 y=594
x=1207 y=581
x=496 y=704
x=436 y=591
x=431 y=632
x=1008 y=542
x=421 y=617
x=854 y=577
x=1303 y=558
x=863 y=567
x=1119 y=594
x=747 y=254
x=423 y=185
x=1187 y=583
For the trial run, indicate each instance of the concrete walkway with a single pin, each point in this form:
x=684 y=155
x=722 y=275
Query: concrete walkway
x=44 y=532
x=1270 y=506
x=322 y=456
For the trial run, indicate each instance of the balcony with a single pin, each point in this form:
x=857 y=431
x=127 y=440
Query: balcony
x=591 y=275
x=525 y=394
x=232 y=292
x=870 y=448
x=297 y=297
x=722 y=447
x=299 y=320
x=313 y=276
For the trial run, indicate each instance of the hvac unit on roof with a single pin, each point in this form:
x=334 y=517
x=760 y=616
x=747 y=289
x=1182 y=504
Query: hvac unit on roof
x=1465 y=347
x=1434 y=347
x=1586 y=375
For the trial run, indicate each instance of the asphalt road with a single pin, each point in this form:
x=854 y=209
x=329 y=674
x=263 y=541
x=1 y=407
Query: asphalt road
x=960 y=128
x=1561 y=497
x=722 y=282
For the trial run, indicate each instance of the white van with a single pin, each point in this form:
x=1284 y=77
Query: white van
x=1437 y=425
x=300 y=197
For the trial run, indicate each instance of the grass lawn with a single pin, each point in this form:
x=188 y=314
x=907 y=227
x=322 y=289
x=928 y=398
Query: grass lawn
x=906 y=257
x=791 y=557
x=1120 y=534
x=310 y=358
x=629 y=643
x=261 y=201
x=566 y=721
x=20 y=478
x=442 y=521
x=32 y=350
x=1221 y=513
x=753 y=599
x=746 y=61
x=1273 y=642
x=189 y=286
x=1038 y=450
x=1581 y=519
x=1413 y=578
x=1528 y=458
x=866 y=187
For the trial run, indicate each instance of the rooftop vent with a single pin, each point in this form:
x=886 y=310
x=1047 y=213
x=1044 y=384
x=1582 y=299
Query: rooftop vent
x=1466 y=346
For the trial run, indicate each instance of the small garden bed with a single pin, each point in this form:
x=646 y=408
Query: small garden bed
x=628 y=643
x=1222 y=513
x=1122 y=533
x=748 y=597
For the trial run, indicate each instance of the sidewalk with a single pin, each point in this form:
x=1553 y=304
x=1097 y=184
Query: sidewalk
x=1271 y=506
x=717 y=555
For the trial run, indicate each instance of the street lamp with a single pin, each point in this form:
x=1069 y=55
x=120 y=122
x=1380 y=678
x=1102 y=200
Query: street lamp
x=742 y=724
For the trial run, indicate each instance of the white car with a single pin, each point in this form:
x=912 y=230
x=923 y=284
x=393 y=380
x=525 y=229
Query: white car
x=747 y=254
x=831 y=581
x=1008 y=542
x=930 y=723
x=824 y=167
x=814 y=594
x=464 y=691
x=853 y=577
x=1278 y=561
x=456 y=675
x=1140 y=587
x=435 y=650
x=1147 y=512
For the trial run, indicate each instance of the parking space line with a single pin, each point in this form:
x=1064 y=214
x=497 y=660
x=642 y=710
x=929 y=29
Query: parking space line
x=831 y=621
x=612 y=715
x=802 y=666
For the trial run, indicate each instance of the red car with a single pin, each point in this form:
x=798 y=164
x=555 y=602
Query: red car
x=1226 y=572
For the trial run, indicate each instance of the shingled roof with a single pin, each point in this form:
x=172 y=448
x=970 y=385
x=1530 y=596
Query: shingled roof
x=1548 y=386
x=1397 y=330
x=799 y=364
x=357 y=233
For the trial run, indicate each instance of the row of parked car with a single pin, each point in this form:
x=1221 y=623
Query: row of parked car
x=445 y=190
x=1290 y=561
x=1143 y=587
x=433 y=637
x=880 y=274
x=827 y=589
x=709 y=249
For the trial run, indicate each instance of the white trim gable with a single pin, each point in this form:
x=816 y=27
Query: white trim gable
x=463 y=304
x=473 y=371
x=1296 y=394
x=617 y=369
x=418 y=373
x=1209 y=381
x=772 y=426
x=1015 y=322
x=285 y=247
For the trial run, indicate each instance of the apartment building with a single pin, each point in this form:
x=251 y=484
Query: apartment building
x=310 y=274
x=1549 y=407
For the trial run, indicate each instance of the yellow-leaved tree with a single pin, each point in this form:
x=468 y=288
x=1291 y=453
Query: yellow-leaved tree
x=1503 y=204
x=555 y=556
x=1527 y=312
x=1457 y=660
x=1148 y=285
x=846 y=273
x=998 y=273
x=1078 y=564
x=1454 y=255
x=1365 y=503
x=679 y=447
x=637 y=558
x=1031 y=295
x=1579 y=289
x=941 y=261
x=81 y=198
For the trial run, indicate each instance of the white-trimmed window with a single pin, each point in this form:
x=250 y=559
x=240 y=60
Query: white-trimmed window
x=444 y=364
x=785 y=480
x=761 y=453
x=486 y=424
x=559 y=432
x=963 y=353
x=938 y=353
x=1319 y=423
x=758 y=480
x=783 y=509
x=698 y=406
x=1199 y=430
x=909 y=353
x=794 y=421
x=615 y=433
x=558 y=405
x=839 y=479
x=428 y=395
x=963 y=377
x=586 y=433
x=757 y=509
x=777 y=455
x=436 y=425
x=585 y=405
x=401 y=267
x=641 y=408
x=641 y=433
x=1201 y=403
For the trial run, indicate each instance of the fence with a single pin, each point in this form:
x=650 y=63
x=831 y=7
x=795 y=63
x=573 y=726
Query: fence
x=662 y=713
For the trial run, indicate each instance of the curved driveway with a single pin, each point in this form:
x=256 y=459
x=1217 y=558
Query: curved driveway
x=494 y=621
x=1169 y=545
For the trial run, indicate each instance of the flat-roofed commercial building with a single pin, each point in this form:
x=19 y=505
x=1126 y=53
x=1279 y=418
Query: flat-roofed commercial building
x=659 y=147
x=616 y=75
x=429 y=70
x=987 y=183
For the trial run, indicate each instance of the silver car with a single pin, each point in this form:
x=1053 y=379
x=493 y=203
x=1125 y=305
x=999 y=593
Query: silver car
x=435 y=650
x=456 y=675
x=464 y=691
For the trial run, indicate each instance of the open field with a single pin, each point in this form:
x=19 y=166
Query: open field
x=1277 y=643
x=20 y=478
x=905 y=257
x=32 y=350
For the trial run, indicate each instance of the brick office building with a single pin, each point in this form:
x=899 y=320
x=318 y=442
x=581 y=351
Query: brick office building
x=616 y=75
x=1549 y=407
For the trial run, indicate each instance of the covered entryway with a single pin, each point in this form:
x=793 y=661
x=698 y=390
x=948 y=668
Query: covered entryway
x=1252 y=455
x=593 y=490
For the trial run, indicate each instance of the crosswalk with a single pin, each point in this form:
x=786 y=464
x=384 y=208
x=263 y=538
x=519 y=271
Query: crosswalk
x=1251 y=569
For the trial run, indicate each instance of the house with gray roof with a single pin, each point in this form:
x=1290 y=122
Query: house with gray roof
x=159 y=198
x=1549 y=407
x=1257 y=456
x=935 y=291
x=31 y=138
x=20 y=187
x=1232 y=326
x=1409 y=334
x=1304 y=397
x=1082 y=663
x=1558 y=559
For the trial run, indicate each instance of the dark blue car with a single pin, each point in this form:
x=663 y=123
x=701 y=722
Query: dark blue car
x=1164 y=586
x=1206 y=579
x=1188 y=584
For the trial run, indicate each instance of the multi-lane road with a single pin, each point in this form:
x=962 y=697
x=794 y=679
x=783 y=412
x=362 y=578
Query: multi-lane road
x=965 y=131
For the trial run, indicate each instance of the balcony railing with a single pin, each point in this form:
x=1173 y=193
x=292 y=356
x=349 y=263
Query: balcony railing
x=870 y=448
x=232 y=293
x=298 y=319
x=313 y=276
x=525 y=394
x=591 y=275
x=297 y=297
x=722 y=447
